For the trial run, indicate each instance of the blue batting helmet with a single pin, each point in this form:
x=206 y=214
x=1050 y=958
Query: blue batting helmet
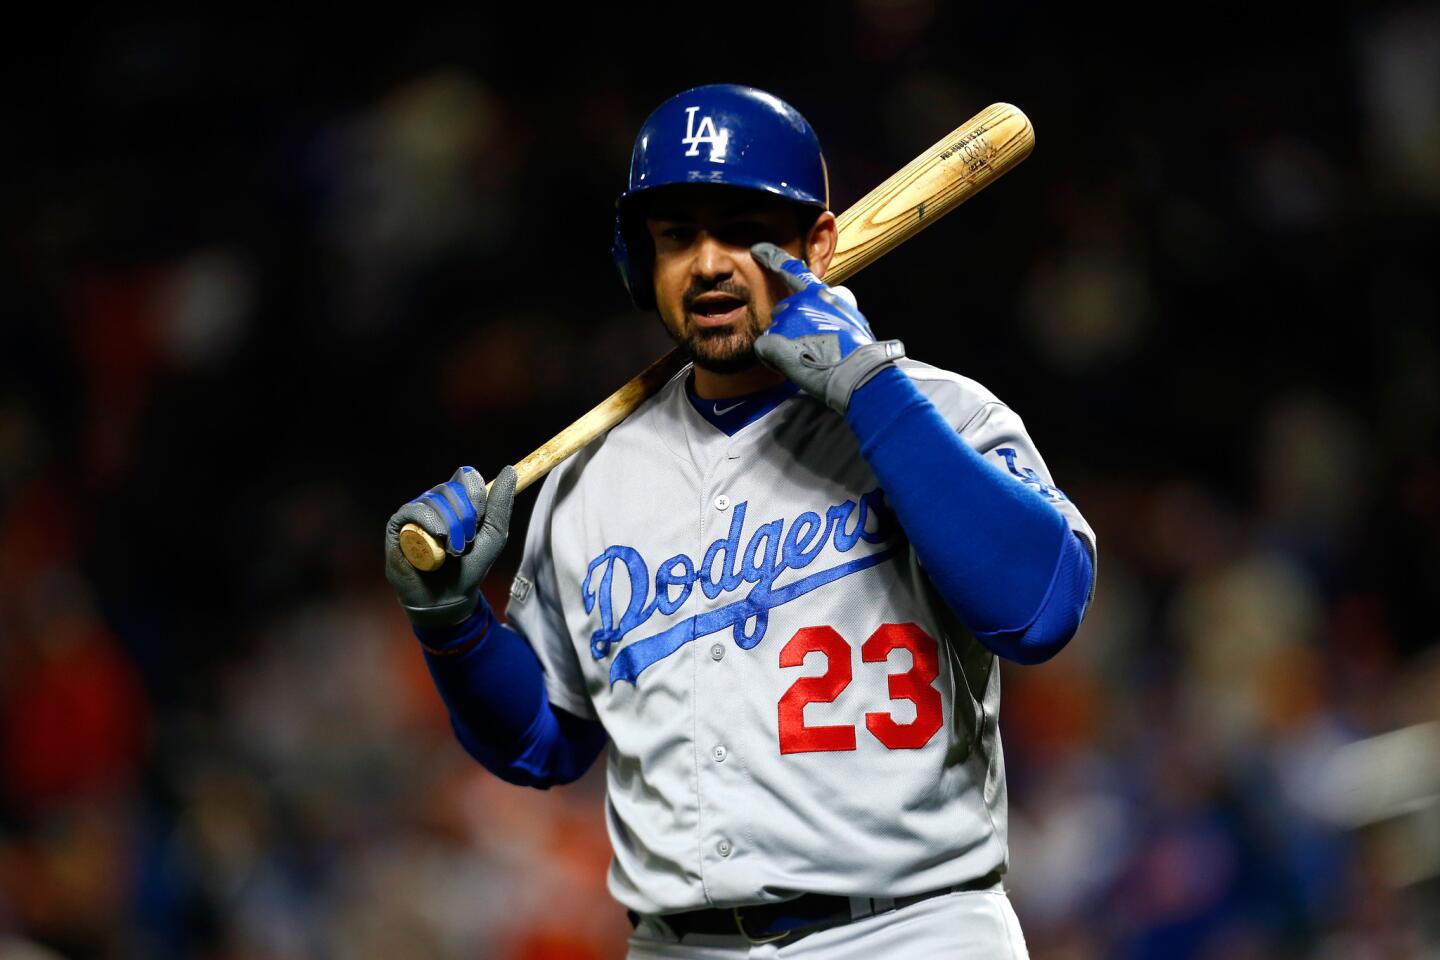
x=721 y=133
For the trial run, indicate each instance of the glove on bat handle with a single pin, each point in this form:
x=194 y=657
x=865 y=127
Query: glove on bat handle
x=964 y=162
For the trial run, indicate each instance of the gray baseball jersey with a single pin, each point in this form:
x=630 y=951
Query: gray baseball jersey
x=791 y=706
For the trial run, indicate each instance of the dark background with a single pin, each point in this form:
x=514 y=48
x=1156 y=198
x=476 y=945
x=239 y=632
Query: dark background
x=267 y=276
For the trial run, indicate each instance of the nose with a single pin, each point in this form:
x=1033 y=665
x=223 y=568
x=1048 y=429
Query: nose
x=714 y=260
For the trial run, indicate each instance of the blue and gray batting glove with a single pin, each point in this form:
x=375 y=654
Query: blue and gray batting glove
x=818 y=339
x=472 y=525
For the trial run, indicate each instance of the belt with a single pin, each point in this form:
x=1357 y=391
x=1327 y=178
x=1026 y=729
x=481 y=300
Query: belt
x=792 y=919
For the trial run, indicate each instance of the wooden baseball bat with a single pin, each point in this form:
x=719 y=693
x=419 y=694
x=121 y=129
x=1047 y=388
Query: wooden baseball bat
x=964 y=162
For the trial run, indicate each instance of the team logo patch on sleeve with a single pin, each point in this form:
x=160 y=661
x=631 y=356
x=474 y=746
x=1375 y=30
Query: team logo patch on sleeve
x=520 y=589
x=1029 y=475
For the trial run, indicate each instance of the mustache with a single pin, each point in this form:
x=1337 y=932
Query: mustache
x=729 y=287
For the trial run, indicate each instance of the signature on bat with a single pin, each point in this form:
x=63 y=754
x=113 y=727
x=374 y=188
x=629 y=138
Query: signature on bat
x=973 y=149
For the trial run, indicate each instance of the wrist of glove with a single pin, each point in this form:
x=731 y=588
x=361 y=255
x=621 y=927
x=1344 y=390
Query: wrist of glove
x=472 y=524
x=818 y=338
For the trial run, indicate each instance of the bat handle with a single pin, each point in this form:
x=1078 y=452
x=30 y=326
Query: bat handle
x=422 y=550
x=425 y=553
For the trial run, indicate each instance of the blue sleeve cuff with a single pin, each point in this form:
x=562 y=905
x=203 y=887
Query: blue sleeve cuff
x=459 y=639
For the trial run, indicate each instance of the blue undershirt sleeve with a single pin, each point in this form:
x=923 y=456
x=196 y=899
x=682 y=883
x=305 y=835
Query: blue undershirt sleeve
x=1000 y=555
x=493 y=686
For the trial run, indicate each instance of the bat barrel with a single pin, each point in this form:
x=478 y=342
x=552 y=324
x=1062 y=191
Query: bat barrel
x=958 y=166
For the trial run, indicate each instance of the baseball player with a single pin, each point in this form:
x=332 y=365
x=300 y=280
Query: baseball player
x=778 y=591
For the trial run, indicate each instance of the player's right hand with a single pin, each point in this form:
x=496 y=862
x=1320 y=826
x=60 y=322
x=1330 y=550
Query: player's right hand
x=472 y=525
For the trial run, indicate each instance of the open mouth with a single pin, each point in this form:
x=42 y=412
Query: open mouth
x=717 y=309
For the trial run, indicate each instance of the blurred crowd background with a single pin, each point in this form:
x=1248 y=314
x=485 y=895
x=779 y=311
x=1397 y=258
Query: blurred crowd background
x=266 y=276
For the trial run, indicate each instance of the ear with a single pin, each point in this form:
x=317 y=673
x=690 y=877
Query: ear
x=820 y=244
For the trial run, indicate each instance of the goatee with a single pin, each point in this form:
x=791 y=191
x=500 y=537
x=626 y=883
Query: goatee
x=725 y=350
x=729 y=349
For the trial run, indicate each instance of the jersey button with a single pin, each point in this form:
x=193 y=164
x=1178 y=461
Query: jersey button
x=719 y=753
x=722 y=502
x=723 y=848
x=717 y=651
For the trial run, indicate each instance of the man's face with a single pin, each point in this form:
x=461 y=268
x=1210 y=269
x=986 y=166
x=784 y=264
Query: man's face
x=712 y=296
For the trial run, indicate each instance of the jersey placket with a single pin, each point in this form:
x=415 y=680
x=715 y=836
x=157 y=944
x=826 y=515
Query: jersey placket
x=723 y=783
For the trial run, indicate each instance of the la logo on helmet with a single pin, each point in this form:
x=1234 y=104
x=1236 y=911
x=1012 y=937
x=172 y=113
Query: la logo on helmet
x=718 y=140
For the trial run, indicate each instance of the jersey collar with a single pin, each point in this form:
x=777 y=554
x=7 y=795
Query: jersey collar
x=733 y=414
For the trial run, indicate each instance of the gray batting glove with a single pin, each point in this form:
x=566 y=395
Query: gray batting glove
x=473 y=527
x=817 y=338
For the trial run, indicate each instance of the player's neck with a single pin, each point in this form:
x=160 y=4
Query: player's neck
x=710 y=385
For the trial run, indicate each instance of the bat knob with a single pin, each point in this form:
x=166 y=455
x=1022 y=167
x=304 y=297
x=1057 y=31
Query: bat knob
x=421 y=549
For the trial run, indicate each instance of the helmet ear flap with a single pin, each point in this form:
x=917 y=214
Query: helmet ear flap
x=633 y=251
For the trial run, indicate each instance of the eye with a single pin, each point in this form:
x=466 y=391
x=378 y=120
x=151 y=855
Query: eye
x=744 y=233
x=675 y=234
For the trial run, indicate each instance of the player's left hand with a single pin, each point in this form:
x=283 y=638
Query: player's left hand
x=472 y=523
x=818 y=339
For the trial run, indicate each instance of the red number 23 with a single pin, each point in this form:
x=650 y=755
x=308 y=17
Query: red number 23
x=914 y=685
